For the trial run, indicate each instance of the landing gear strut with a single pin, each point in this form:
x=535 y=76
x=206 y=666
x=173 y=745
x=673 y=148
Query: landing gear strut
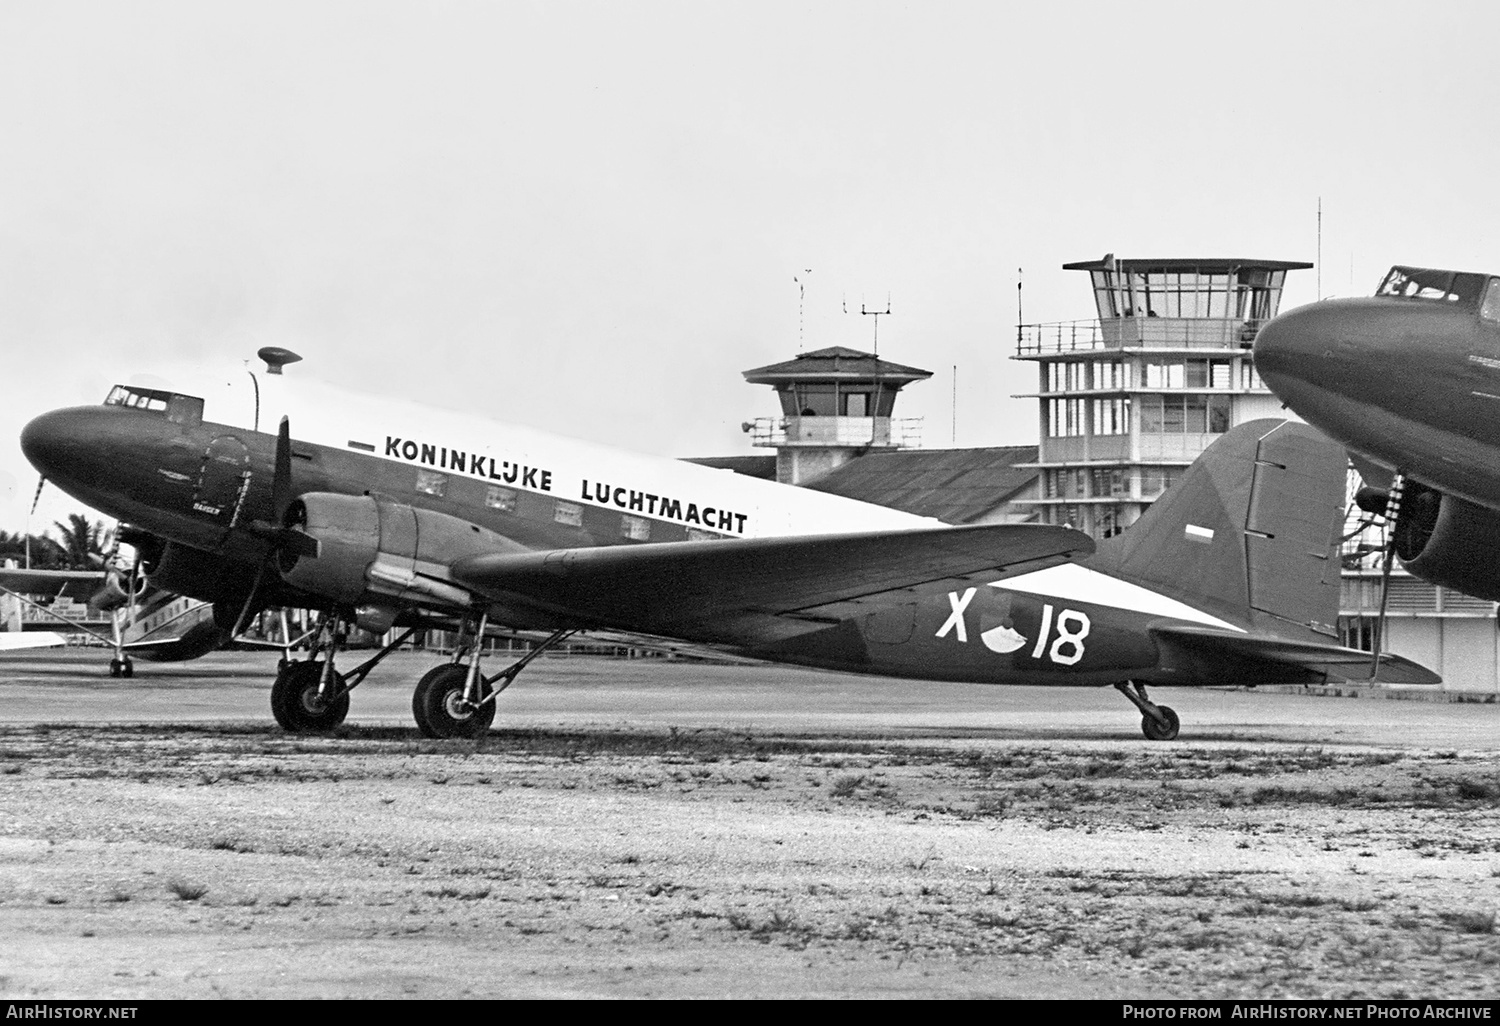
x=455 y=700
x=311 y=697
x=1158 y=722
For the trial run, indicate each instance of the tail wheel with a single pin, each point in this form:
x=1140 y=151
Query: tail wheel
x=440 y=709
x=299 y=708
x=1158 y=731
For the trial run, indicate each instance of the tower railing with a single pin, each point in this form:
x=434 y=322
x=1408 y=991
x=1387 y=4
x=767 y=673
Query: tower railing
x=881 y=432
x=1135 y=332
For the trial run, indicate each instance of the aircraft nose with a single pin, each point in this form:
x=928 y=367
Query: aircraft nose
x=59 y=443
x=1289 y=343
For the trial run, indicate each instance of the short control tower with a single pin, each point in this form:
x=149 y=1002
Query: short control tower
x=836 y=404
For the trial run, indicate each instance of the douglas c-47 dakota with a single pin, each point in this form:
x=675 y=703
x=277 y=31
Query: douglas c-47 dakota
x=389 y=516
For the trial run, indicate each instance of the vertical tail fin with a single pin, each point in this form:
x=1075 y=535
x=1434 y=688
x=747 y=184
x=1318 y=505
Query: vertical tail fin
x=1250 y=533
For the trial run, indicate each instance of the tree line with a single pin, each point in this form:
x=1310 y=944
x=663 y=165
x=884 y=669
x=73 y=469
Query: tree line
x=81 y=544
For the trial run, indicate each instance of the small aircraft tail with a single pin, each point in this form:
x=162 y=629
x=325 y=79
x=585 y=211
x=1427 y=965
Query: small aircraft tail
x=1250 y=534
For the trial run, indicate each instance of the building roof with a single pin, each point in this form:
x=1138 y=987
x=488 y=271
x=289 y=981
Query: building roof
x=1109 y=262
x=957 y=486
x=836 y=363
x=758 y=465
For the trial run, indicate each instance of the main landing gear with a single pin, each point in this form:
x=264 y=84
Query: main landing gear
x=458 y=700
x=309 y=696
x=1158 y=722
x=453 y=700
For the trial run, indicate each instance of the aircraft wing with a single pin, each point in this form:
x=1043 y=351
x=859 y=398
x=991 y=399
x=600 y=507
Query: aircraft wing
x=77 y=584
x=10 y=641
x=700 y=589
x=1346 y=663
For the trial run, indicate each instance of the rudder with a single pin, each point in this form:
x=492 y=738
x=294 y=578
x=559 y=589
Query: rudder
x=1250 y=533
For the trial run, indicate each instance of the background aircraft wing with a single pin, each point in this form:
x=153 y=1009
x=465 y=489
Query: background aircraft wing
x=1345 y=663
x=664 y=588
x=75 y=584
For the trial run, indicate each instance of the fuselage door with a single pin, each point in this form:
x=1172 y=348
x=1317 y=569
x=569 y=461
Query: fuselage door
x=223 y=481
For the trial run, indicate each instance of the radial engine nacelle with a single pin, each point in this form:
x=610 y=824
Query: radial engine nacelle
x=116 y=591
x=378 y=557
x=1449 y=541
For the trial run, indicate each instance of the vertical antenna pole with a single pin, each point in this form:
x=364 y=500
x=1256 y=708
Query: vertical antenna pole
x=1320 y=247
x=953 y=436
x=801 y=296
x=877 y=314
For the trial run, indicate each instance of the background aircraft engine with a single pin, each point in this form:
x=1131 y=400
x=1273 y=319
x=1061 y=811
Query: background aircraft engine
x=1449 y=541
x=115 y=591
x=374 y=554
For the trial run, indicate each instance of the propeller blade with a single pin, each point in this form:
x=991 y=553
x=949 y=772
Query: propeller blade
x=281 y=483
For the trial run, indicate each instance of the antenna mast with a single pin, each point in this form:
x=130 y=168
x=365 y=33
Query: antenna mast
x=801 y=296
x=953 y=427
x=877 y=314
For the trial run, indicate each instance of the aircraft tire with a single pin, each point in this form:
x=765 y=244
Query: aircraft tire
x=295 y=702
x=419 y=699
x=438 y=707
x=1155 y=731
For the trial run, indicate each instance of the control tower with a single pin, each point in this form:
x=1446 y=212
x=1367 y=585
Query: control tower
x=1129 y=400
x=836 y=404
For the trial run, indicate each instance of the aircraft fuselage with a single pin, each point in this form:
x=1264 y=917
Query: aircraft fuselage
x=1410 y=383
x=206 y=485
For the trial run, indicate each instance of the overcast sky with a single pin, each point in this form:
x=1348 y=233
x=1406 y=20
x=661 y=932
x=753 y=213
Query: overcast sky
x=587 y=217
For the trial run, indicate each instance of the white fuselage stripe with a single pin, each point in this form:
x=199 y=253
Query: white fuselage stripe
x=1074 y=583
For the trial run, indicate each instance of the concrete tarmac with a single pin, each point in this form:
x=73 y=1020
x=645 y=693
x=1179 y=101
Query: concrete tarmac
x=72 y=686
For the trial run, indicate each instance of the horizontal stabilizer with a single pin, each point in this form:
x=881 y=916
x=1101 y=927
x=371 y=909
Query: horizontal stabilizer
x=659 y=588
x=13 y=640
x=1344 y=663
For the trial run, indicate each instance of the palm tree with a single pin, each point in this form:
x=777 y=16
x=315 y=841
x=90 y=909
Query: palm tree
x=83 y=542
x=45 y=552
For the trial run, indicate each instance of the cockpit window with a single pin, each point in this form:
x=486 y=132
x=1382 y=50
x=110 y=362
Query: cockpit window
x=180 y=409
x=137 y=398
x=1426 y=283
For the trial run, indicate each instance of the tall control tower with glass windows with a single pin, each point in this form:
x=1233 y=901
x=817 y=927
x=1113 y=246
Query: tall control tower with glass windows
x=1129 y=400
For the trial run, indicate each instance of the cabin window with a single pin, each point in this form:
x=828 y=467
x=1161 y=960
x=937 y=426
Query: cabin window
x=430 y=482
x=635 y=528
x=1490 y=308
x=503 y=499
x=569 y=513
x=696 y=535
